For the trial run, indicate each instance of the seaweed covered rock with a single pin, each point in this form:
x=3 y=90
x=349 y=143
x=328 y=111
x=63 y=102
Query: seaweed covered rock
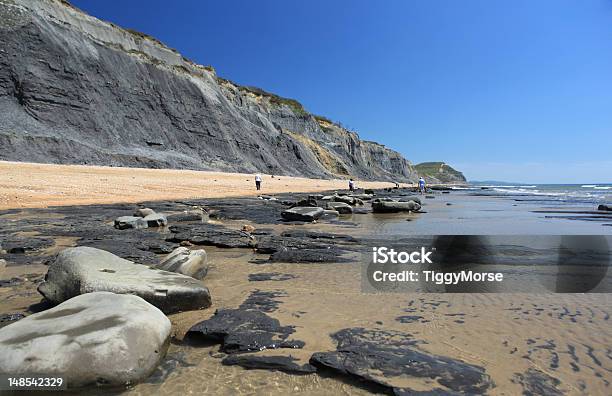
x=382 y=357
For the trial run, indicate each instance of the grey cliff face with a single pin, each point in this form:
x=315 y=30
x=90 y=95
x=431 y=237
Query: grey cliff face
x=77 y=90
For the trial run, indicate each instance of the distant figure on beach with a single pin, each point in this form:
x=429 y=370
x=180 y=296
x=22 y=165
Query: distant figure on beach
x=258 y=181
x=422 y=185
x=351 y=185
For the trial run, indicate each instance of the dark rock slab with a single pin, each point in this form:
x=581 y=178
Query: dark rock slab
x=11 y=282
x=408 y=318
x=210 y=235
x=536 y=382
x=8 y=318
x=245 y=330
x=15 y=244
x=264 y=301
x=133 y=249
x=302 y=213
x=605 y=207
x=378 y=356
x=318 y=235
x=288 y=255
x=273 y=243
x=270 y=276
x=280 y=363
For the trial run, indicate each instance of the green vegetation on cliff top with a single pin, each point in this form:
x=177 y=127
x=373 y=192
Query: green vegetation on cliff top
x=440 y=172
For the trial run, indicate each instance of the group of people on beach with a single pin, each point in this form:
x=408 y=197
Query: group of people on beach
x=351 y=184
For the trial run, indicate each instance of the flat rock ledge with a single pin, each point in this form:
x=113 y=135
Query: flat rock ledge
x=81 y=270
x=96 y=339
x=383 y=206
x=302 y=213
x=384 y=357
x=245 y=330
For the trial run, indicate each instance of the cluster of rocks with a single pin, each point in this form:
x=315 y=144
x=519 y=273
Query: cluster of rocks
x=390 y=205
x=317 y=206
x=142 y=218
x=112 y=292
x=109 y=326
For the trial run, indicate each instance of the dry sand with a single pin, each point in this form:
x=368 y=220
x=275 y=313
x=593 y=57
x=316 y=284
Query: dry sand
x=29 y=185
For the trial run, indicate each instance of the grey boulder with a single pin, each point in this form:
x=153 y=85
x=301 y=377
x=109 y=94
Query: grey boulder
x=348 y=200
x=99 y=339
x=125 y=222
x=411 y=198
x=340 y=207
x=363 y=197
x=302 y=213
x=143 y=212
x=330 y=214
x=187 y=262
x=188 y=215
x=84 y=270
x=379 y=206
x=156 y=220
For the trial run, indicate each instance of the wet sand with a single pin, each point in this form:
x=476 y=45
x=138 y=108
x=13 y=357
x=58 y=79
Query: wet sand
x=565 y=338
x=29 y=185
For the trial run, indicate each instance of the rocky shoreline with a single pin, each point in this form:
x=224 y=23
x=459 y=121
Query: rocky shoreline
x=153 y=259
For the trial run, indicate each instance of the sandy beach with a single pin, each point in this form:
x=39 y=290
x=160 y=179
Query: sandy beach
x=30 y=185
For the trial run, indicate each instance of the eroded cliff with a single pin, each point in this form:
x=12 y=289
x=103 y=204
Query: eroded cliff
x=75 y=89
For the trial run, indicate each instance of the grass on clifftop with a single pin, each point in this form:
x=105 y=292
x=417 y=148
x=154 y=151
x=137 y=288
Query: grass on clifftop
x=293 y=104
x=440 y=171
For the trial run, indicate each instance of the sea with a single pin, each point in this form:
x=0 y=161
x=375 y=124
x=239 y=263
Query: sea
x=578 y=194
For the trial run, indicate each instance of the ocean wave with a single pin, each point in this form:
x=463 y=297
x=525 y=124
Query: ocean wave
x=523 y=191
x=509 y=186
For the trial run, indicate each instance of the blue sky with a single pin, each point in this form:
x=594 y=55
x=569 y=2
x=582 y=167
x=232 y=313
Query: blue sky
x=516 y=90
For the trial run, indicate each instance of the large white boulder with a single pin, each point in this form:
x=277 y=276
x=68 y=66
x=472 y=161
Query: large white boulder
x=102 y=339
x=83 y=270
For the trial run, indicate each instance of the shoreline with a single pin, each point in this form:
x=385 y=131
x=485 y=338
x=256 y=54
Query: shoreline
x=307 y=276
x=35 y=185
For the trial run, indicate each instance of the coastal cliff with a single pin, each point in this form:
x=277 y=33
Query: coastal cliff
x=439 y=173
x=78 y=90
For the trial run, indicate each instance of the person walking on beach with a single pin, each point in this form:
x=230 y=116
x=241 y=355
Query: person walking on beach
x=351 y=185
x=422 y=185
x=258 y=182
